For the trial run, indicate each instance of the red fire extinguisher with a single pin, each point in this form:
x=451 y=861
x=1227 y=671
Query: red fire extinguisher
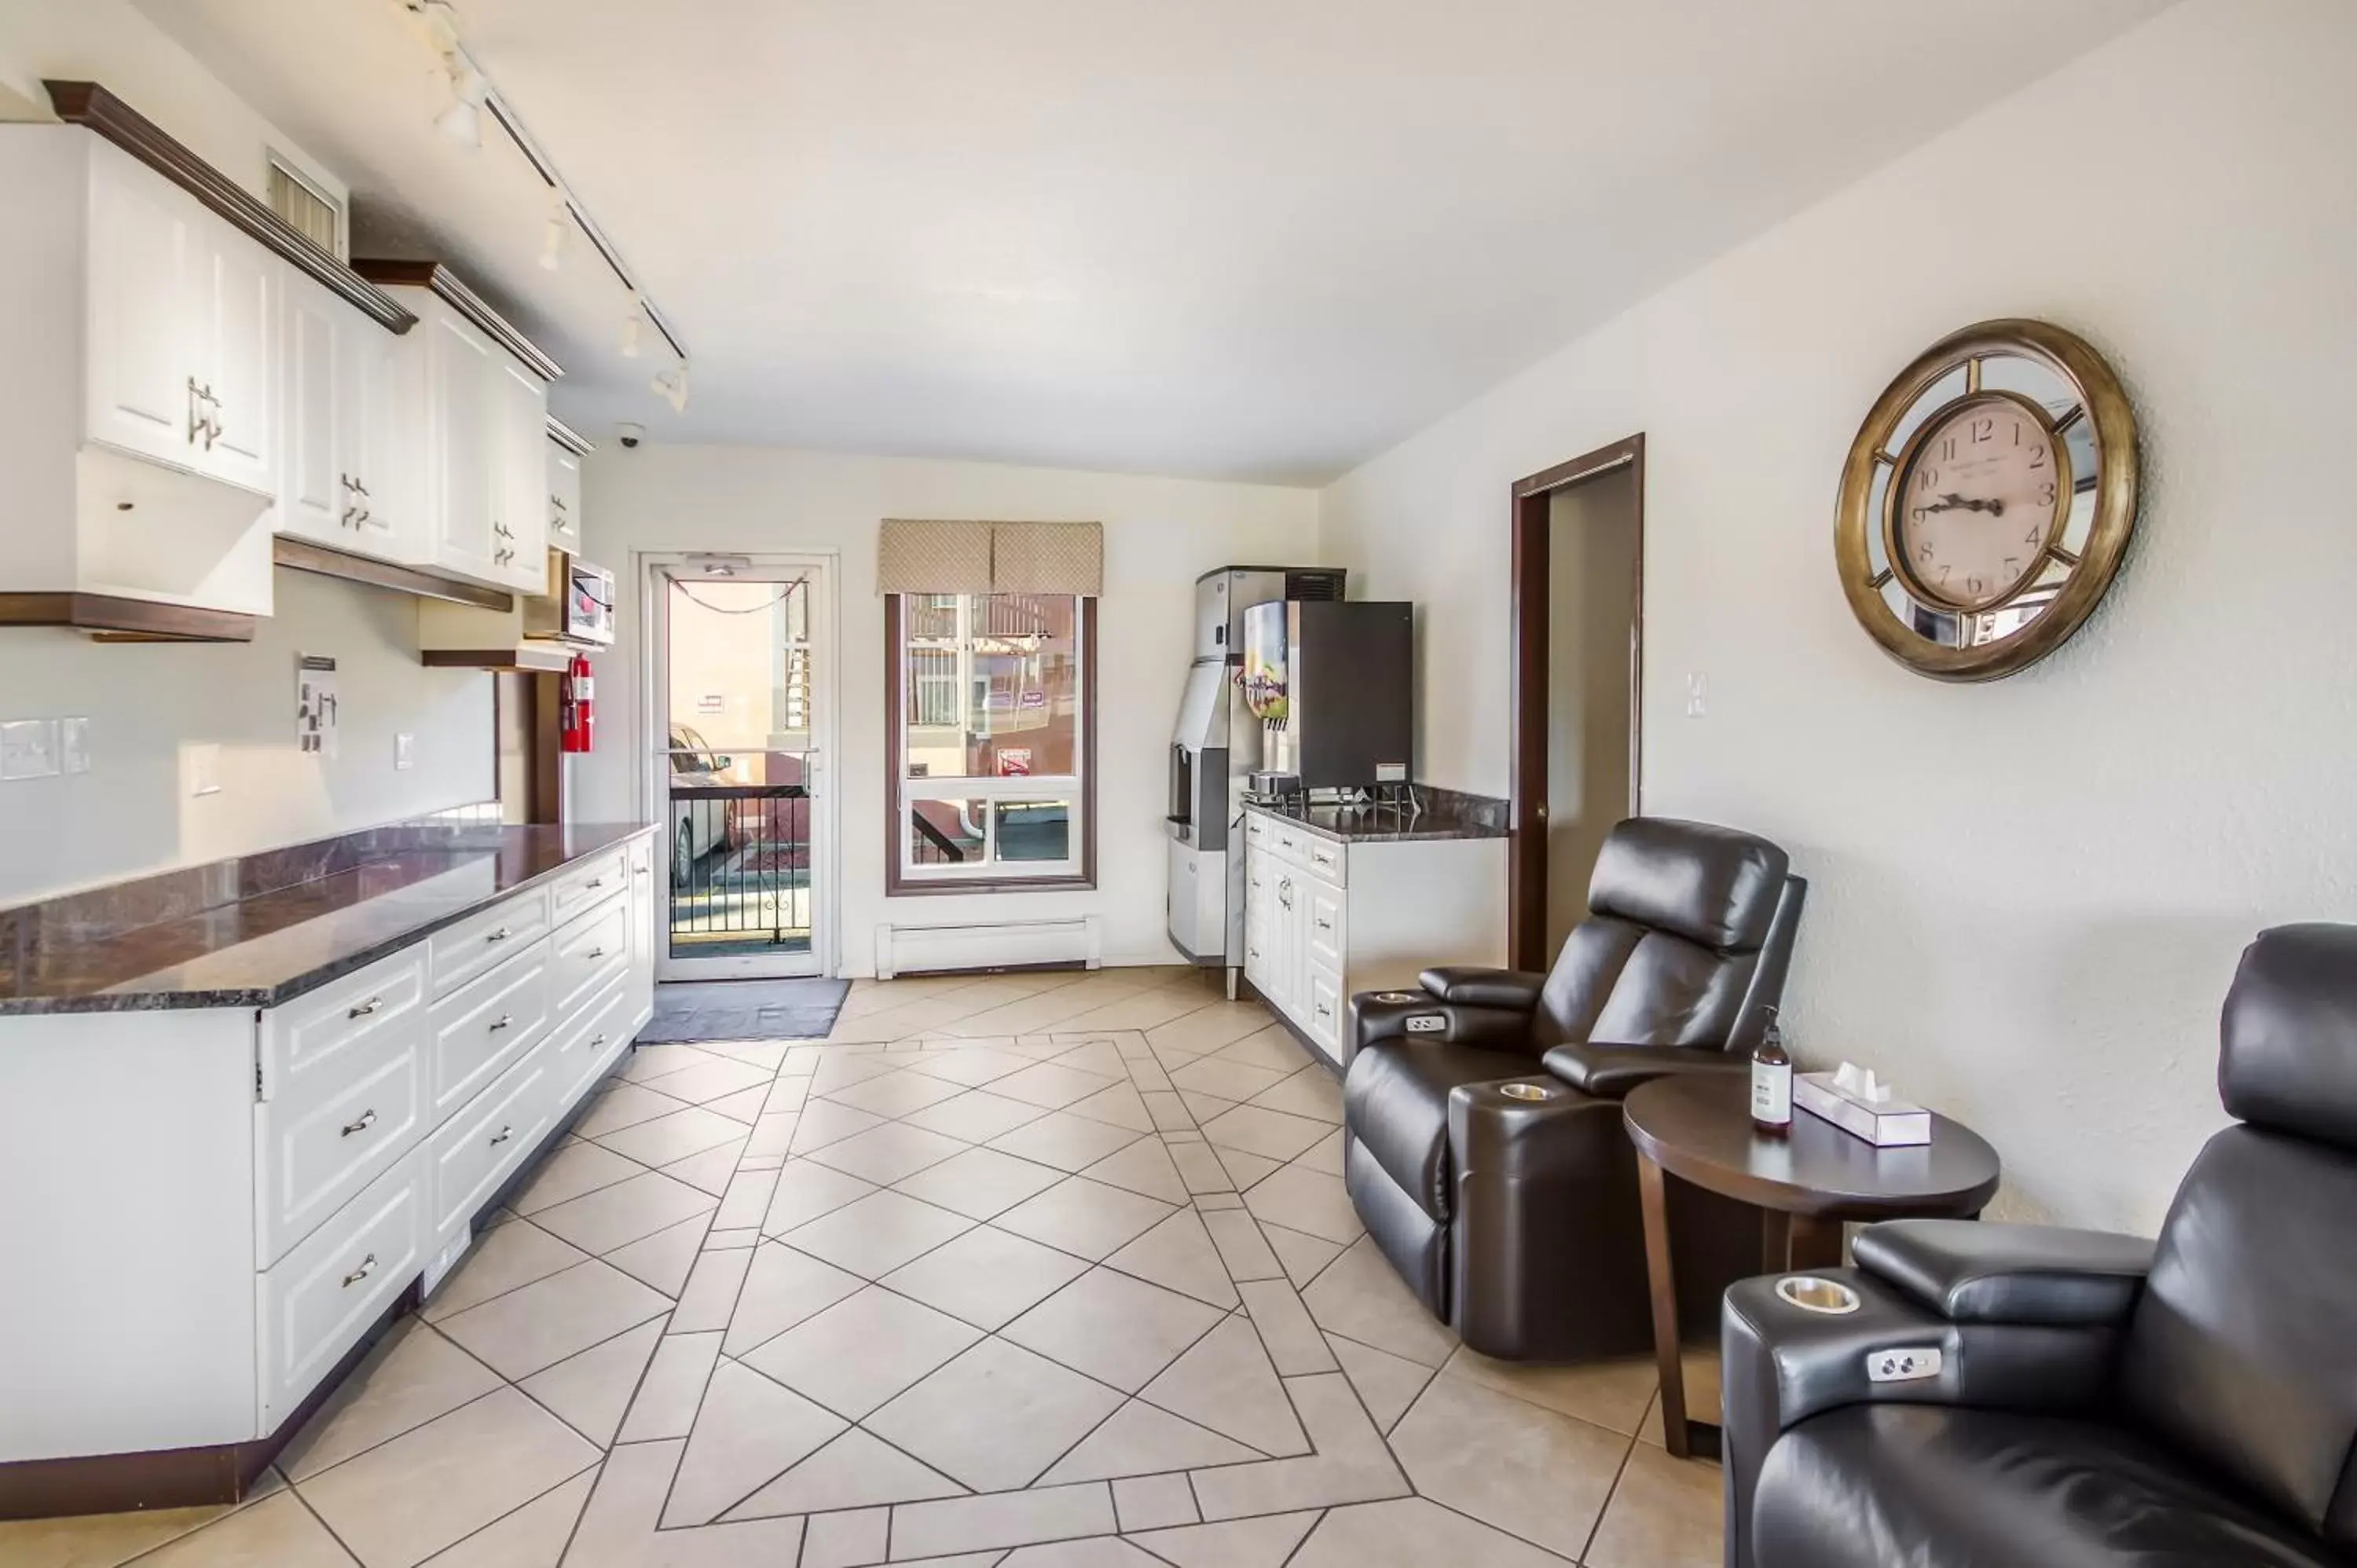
x=575 y=707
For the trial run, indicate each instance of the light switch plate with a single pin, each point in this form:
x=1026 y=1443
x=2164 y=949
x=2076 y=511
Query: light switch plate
x=201 y=767
x=404 y=752
x=28 y=748
x=1698 y=696
x=73 y=745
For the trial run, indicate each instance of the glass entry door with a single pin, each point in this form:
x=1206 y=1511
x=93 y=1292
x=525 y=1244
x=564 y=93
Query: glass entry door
x=742 y=654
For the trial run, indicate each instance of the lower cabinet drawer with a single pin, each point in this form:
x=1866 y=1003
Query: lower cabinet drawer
x=309 y=1159
x=579 y=1049
x=476 y=1150
x=1328 y=859
x=588 y=955
x=485 y=1026
x=314 y=1303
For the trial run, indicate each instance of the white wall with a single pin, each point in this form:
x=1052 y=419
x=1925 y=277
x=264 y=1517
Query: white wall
x=2028 y=897
x=1159 y=534
x=147 y=703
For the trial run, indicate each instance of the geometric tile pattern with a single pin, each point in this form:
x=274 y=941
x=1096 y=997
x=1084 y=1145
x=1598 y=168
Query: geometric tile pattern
x=1011 y=1269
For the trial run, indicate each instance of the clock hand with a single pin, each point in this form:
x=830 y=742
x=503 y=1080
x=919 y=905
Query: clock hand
x=1954 y=502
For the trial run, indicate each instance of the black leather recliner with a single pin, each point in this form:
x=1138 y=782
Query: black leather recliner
x=1515 y=1219
x=2100 y=1398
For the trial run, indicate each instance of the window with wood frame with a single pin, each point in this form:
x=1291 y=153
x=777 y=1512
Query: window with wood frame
x=991 y=727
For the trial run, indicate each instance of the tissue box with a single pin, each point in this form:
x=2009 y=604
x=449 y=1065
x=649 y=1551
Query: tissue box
x=1885 y=1124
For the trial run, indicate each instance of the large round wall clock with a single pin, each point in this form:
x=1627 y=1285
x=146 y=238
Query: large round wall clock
x=1987 y=501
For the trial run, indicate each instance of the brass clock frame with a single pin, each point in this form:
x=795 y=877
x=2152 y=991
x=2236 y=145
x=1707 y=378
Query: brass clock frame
x=1858 y=522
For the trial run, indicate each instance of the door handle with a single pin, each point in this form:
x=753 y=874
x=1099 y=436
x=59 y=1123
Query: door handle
x=500 y=935
x=367 y=1120
x=505 y=1019
x=505 y=1133
x=367 y=1267
x=367 y=1007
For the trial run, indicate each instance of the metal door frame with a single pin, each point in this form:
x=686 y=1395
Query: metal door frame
x=656 y=570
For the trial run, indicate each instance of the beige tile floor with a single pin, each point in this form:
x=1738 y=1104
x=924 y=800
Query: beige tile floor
x=1042 y=1271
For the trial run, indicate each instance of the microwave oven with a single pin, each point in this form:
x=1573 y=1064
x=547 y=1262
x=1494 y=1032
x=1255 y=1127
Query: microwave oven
x=578 y=606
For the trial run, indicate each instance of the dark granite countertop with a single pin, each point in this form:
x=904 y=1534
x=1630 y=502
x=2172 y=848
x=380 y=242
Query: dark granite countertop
x=1434 y=813
x=261 y=951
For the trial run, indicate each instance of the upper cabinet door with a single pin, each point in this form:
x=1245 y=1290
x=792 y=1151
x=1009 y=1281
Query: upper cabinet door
x=244 y=282
x=563 y=497
x=462 y=416
x=316 y=498
x=522 y=400
x=148 y=316
x=380 y=448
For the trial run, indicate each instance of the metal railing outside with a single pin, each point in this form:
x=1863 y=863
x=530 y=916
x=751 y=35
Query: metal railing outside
x=740 y=879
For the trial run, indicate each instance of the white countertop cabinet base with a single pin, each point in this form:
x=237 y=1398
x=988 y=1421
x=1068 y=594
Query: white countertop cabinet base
x=207 y=1209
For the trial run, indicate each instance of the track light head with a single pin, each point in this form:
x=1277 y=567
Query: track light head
x=672 y=387
x=633 y=325
x=462 y=122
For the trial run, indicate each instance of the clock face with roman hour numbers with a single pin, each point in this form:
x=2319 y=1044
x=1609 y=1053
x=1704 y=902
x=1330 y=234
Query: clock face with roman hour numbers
x=1987 y=501
x=1983 y=492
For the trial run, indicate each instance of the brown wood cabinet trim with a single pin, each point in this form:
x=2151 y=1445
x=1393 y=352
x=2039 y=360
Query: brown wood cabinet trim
x=452 y=290
x=302 y=555
x=895 y=885
x=572 y=440
x=1526 y=851
x=86 y=104
x=142 y=620
x=531 y=658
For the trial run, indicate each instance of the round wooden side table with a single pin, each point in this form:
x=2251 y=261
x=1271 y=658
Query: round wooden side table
x=1697 y=1127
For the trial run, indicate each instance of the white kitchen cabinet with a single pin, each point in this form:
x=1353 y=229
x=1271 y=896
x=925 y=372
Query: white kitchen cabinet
x=347 y=480
x=141 y=432
x=483 y=413
x=520 y=505
x=462 y=442
x=1326 y=917
x=565 y=531
x=265 y=1182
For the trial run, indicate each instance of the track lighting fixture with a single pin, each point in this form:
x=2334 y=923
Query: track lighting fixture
x=672 y=387
x=560 y=223
x=462 y=122
x=633 y=325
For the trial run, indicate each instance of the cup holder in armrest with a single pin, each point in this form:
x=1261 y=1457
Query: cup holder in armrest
x=1526 y=1091
x=1400 y=998
x=1810 y=1294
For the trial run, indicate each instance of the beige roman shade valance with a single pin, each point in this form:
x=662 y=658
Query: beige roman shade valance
x=921 y=556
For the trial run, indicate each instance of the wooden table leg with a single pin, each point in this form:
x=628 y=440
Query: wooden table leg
x=1658 y=1268
x=1816 y=1242
x=1775 y=1241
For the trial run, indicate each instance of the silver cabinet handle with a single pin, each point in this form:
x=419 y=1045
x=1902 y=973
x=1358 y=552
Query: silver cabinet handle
x=596 y=882
x=367 y=1267
x=596 y=952
x=367 y=1120
x=595 y=1043
x=505 y=1019
x=505 y=1133
x=373 y=1004
x=500 y=935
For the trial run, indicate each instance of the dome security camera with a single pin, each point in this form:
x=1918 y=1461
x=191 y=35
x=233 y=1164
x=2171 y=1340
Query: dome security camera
x=630 y=434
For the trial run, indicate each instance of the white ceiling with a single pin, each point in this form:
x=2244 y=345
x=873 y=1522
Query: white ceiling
x=1257 y=239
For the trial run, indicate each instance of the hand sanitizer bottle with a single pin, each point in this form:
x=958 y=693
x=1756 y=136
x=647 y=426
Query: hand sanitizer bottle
x=1771 y=1084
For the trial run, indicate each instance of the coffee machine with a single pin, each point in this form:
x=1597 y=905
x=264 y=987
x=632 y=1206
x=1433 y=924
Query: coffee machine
x=1216 y=748
x=1330 y=686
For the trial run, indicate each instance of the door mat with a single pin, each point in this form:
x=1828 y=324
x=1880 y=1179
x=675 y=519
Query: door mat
x=743 y=1010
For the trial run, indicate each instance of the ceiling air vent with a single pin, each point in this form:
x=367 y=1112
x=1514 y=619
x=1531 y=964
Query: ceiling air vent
x=308 y=209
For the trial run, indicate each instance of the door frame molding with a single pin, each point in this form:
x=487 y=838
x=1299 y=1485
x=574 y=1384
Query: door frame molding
x=650 y=776
x=1526 y=851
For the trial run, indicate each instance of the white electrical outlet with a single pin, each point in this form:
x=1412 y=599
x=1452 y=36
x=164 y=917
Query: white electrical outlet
x=201 y=766
x=28 y=748
x=1698 y=696
x=1904 y=1364
x=73 y=745
x=404 y=752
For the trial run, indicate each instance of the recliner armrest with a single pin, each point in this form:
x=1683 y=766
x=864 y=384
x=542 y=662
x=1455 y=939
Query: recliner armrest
x=1610 y=1072
x=1780 y=1364
x=1477 y=987
x=1972 y=1273
x=1419 y=1015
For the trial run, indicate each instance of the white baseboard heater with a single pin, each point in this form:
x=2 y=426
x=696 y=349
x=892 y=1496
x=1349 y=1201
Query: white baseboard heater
x=998 y=944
